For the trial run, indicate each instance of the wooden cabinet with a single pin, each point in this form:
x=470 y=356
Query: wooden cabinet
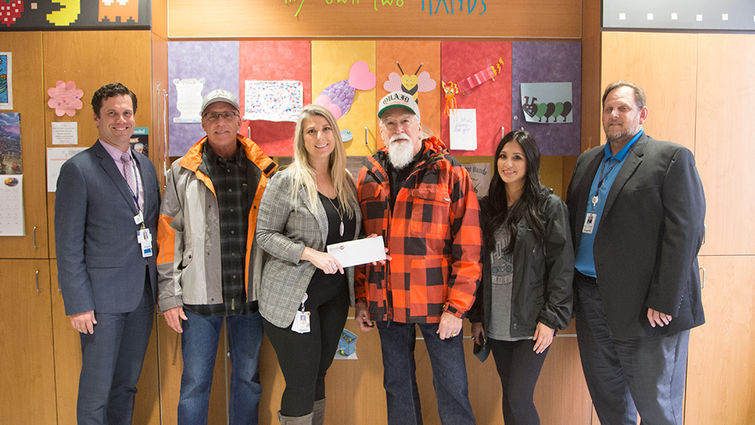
x=29 y=101
x=27 y=374
x=721 y=372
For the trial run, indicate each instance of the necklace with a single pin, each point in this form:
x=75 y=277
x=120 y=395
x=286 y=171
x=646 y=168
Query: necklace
x=340 y=215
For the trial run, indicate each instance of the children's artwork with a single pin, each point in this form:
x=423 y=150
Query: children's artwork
x=546 y=61
x=411 y=66
x=273 y=61
x=480 y=173
x=10 y=143
x=463 y=128
x=273 y=100
x=217 y=62
x=347 y=346
x=65 y=98
x=412 y=84
x=472 y=65
x=548 y=103
x=189 y=99
x=67 y=14
x=12 y=205
x=10 y=11
x=339 y=96
x=6 y=80
x=450 y=90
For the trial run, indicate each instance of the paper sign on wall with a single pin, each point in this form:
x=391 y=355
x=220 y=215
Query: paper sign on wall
x=65 y=133
x=547 y=103
x=12 y=205
x=55 y=159
x=273 y=100
x=480 y=173
x=463 y=129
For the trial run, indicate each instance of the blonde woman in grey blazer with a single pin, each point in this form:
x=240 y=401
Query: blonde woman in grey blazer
x=304 y=293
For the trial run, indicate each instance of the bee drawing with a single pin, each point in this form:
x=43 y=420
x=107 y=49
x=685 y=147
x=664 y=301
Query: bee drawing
x=411 y=84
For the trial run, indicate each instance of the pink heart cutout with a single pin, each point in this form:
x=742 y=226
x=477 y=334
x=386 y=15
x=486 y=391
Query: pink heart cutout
x=360 y=76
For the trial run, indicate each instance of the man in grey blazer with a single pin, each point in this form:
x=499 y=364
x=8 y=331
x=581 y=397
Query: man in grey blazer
x=106 y=210
x=637 y=209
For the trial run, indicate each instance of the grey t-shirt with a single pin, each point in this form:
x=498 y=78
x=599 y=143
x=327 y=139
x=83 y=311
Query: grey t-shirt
x=501 y=276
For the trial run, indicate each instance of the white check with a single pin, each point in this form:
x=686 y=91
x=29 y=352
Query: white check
x=360 y=251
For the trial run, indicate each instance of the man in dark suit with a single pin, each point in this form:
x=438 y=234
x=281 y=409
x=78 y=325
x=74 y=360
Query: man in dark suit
x=637 y=208
x=106 y=211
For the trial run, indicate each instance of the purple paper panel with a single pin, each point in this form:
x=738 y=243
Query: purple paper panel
x=217 y=62
x=548 y=62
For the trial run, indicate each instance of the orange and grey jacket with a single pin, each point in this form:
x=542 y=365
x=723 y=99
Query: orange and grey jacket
x=188 y=232
x=433 y=236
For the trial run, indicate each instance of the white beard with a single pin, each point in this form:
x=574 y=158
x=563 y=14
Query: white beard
x=400 y=154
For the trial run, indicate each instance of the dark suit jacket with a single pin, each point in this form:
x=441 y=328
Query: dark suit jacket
x=648 y=238
x=100 y=265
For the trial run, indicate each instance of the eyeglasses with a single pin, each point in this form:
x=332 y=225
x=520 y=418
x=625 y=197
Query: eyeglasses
x=214 y=116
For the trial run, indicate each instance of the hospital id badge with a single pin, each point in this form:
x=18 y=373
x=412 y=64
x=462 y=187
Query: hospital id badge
x=301 y=322
x=589 y=223
x=144 y=237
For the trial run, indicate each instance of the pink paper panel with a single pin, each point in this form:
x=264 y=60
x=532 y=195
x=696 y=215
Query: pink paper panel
x=491 y=99
x=410 y=55
x=274 y=60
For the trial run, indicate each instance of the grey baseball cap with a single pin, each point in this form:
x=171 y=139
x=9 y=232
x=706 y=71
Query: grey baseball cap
x=219 y=95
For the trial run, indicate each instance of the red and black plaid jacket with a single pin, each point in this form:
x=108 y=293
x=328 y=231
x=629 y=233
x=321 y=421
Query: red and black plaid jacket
x=433 y=236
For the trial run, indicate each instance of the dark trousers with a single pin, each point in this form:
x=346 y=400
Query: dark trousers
x=305 y=358
x=624 y=376
x=518 y=367
x=112 y=359
x=397 y=341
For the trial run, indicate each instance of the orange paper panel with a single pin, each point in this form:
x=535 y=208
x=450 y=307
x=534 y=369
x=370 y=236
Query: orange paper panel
x=410 y=55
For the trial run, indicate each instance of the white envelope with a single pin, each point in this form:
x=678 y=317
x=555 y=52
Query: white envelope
x=360 y=251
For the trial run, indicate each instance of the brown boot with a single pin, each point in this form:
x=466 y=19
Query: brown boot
x=295 y=420
x=318 y=412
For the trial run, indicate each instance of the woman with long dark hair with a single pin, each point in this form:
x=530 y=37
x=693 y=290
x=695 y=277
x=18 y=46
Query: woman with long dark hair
x=528 y=261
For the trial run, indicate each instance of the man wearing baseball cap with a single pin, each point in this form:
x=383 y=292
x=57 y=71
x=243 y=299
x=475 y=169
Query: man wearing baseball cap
x=206 y=264
x=421 y=200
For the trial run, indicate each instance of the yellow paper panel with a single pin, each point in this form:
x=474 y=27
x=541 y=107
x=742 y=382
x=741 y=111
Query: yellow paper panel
x=331 y=62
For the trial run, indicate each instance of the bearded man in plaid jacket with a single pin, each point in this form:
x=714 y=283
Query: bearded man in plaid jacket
x=421 y=200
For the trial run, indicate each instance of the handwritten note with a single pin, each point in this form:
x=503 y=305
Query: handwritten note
x=463 y=129
x=64 y=133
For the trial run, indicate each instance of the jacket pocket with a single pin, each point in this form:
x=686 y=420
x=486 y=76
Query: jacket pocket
x=430 y=211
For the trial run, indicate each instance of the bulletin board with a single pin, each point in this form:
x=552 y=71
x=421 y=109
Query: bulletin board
x=491 y=99
x=323 y=65
x=274 y=61
x=542 y=62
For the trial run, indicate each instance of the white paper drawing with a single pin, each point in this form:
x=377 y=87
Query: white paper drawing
x=279 y=100
x=462 y=124
x=188 y=99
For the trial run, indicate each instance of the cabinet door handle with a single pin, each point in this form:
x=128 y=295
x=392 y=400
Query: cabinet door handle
x=705 y=230
x=34 y=237
x=36 y=280
x=703 y=278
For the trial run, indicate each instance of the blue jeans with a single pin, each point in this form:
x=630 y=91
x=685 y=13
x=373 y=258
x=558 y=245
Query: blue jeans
x=199 y=343
x=399 y=380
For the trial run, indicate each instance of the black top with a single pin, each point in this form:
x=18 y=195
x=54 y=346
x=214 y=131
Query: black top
x=334 y=236
x=230 y=179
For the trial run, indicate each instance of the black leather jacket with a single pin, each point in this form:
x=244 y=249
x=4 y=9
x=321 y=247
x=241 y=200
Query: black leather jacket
x=542 y=281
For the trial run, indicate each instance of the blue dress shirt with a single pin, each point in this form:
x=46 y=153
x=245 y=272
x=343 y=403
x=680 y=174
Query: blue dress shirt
x=607 y=172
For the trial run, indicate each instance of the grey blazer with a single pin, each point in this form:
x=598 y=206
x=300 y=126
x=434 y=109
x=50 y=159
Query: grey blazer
x=283 y=230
